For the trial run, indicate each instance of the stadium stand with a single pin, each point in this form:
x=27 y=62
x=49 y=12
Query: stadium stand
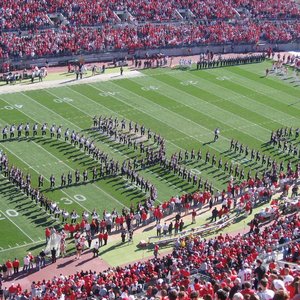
x=140 y=25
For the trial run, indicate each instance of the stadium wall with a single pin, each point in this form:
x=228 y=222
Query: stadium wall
x=141 y=53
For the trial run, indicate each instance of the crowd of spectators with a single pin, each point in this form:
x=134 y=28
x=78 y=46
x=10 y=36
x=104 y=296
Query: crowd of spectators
x=71 y=40
x=226 y=264
x=216 y=22
x=35 y=14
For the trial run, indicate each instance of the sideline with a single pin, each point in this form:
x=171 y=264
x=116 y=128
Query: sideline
x=7 y=89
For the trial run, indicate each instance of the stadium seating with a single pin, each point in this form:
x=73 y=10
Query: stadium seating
x=70 y=40
x=33 y=28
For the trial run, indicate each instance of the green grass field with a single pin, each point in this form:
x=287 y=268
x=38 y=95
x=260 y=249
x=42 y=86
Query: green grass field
x=182 y=106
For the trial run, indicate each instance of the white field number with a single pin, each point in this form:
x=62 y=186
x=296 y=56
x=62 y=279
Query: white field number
x=63 y=100
x=188 y=82
x=77 y=197
x=195 y=172
x=11 y=107
x=222 y=78
x=150 y=88
x=108 y=94
x=10 y=212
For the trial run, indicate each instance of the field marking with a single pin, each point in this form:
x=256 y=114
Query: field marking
x=160 y=120
x=274 y=90
x=171 y=112
x=243 y=96
x=52 y=111
x=19 y=246
x=175 y=72
x=210 y=105
x=16 y=225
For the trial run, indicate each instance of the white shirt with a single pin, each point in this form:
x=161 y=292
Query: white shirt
x=26 y=260
x=245 y=275
x=266 y=295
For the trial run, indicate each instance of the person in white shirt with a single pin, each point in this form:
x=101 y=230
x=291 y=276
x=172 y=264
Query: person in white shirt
x=245 y=274
x=265 y=293
x=158 y=229
x=26 y=261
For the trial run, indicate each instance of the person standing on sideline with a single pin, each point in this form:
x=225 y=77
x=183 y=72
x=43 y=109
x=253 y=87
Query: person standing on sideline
x=16 y=265
x=194 y=214
x=43 y=258
x=155 y=252
x=121 y=71
x=26 y=263
x=47 y=234
x=96 y=249
x=53 y=255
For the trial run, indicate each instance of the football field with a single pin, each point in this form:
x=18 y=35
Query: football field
x=184 y=107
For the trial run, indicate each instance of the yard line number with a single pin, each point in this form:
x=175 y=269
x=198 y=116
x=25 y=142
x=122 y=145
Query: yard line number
x=77 y=197
x=63 y=100
x=10 y=212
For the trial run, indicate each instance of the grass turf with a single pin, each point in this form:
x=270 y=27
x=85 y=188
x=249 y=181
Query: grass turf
x=183 y=106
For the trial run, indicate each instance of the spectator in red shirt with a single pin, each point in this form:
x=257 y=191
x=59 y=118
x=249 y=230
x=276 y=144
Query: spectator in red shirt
x=16 y=265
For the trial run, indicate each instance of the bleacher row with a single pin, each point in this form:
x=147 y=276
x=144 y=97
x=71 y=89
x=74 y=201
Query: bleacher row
x=70 y=40
x=50 y=28
x=22 y=15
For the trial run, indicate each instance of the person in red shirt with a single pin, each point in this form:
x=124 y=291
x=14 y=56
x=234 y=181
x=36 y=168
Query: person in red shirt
x=47 y=234
x=194 y=216
x=156 y=249
x=247 y=289
x=9 y=266
x=105 y=237
x=100 y=238
x=16 y=265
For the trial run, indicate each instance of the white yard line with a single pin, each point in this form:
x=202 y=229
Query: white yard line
x=208 y=103
x=250 y=99
x=6 y=216
x=19 y=247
